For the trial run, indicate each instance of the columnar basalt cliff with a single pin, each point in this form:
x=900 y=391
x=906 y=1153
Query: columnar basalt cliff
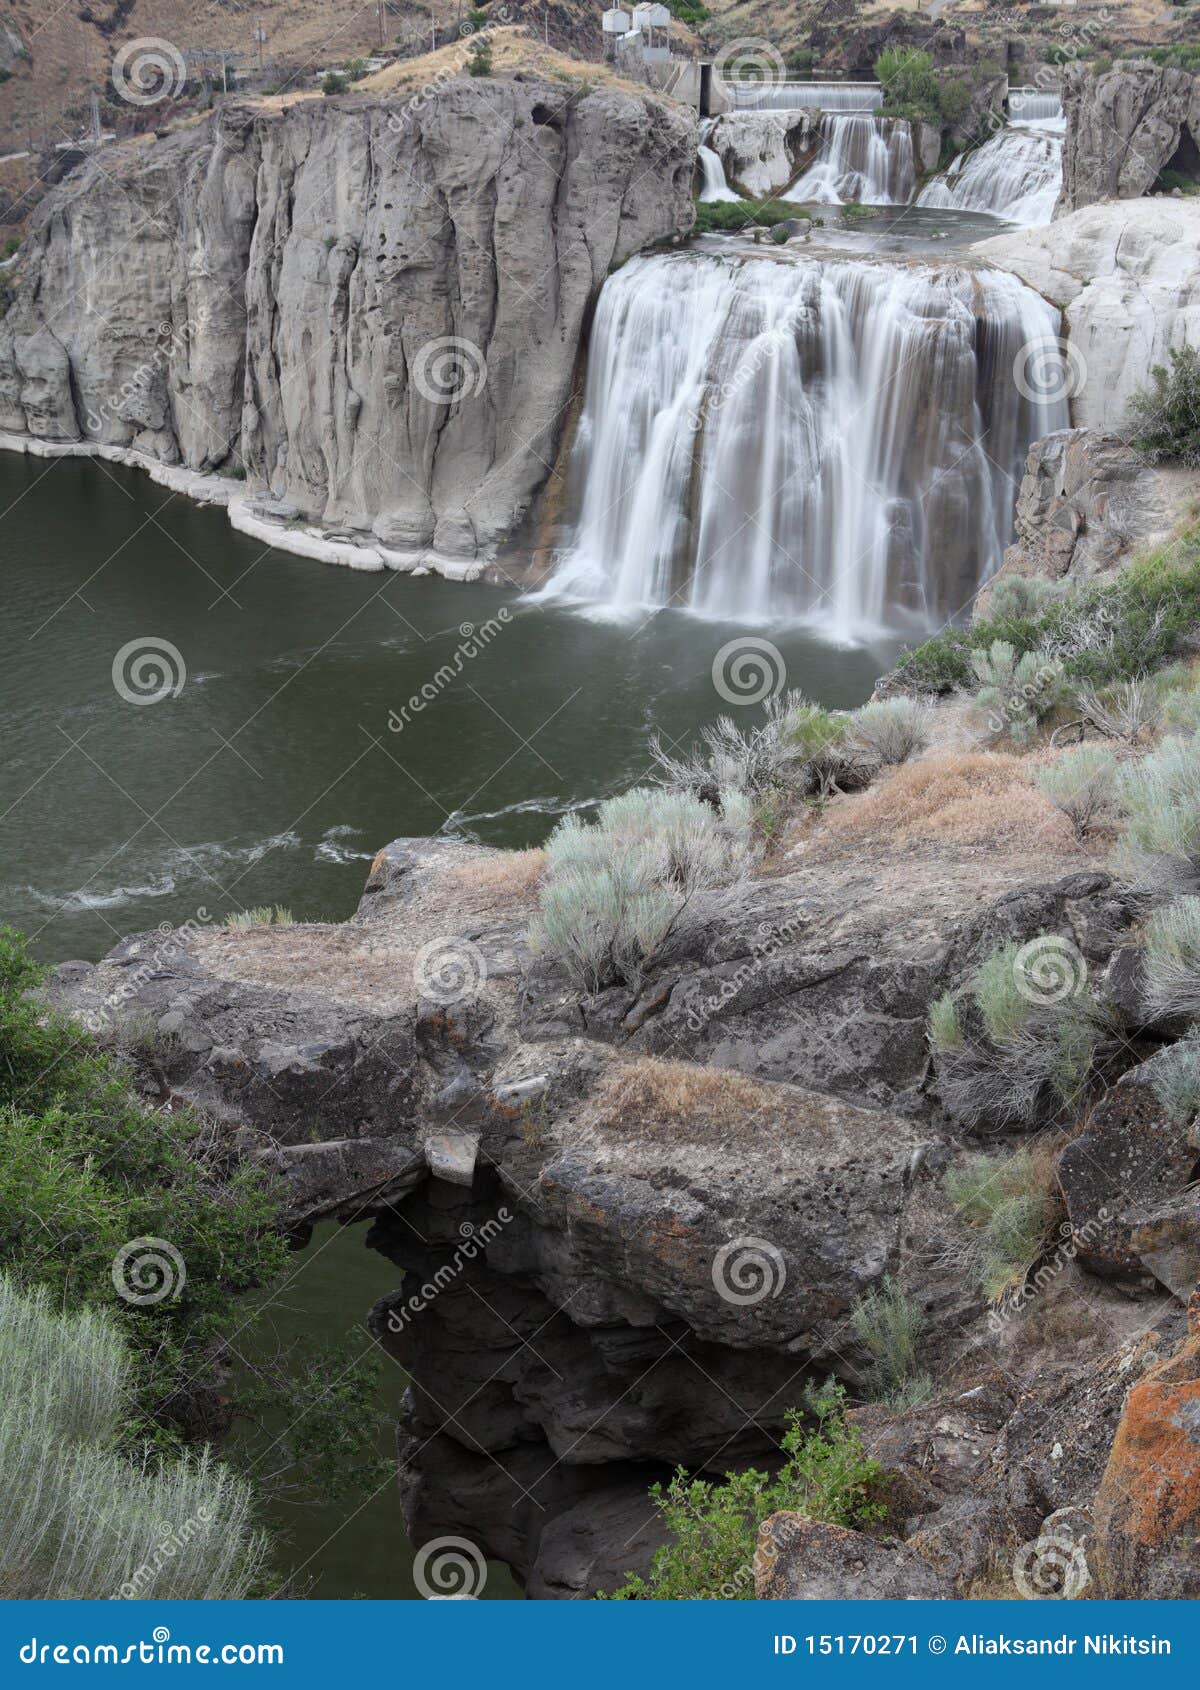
x=373 y=308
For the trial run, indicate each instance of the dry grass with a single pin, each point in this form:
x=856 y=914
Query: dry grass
x=656 y=1092
x=957 y=798
x=497 y=881
x=513 y=48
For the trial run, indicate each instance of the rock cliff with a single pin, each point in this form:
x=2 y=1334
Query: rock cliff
x=1126 y=276
x=1124 y=127
x=372 y=307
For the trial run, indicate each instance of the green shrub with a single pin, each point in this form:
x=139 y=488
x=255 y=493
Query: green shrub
x=333 y=82
x=1082 y=783
x=1018 y=597
x=894 y=730
x=1008 y=1207
x=617 y=891
x=1167 y=415
x=1014 y=693
x=722 y=217
x=910 y=83
x=801 y=60
x=1176 y=1081
x=888 y=1323
x=479 y=57
x=826 y=1475
x=1172 y=959
x=80 y=1519
x=1026 y=1036
x=1159 y=845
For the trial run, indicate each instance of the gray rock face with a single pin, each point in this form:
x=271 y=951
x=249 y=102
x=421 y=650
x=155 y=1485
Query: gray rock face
x=763 y=152
x=375 y=307
x=1086 y=500
x=1126 y=276
x=803 y=1560
x=1124 y=127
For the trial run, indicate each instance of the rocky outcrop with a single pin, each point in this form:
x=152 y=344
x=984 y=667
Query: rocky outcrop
x=1124 y=127
x=802 y=1560
x=1085 y=502
x=373 y=307
x=762 y=153
x=1147 y=1514
x=1127 y=279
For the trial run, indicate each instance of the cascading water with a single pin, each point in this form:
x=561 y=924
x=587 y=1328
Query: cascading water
x=1031 y=107
x=864 y=158
x=791 y=96
x=827 y=440
x=1016 y=175
x=713 y=185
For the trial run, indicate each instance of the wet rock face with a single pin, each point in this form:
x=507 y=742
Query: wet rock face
x=1124 y=127
x=374 y=306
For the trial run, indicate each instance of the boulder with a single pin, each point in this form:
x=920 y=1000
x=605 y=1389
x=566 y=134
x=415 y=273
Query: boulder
x=762 y=152
x=803 y=1560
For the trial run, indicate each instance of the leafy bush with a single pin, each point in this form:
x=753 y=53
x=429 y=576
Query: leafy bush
x=1082 y=783
x=1008 y=1206
x=1159 y=845
x=1167 y=415
x=479 y=57
x=1176 y=1082
x=1172 y=959
x=1025 y=1038
x=910 y=83
x=888 y=1323
x=85 y=1169
x=894 y=730
x=722 y=217
x=1102 y=632
x=801 y=60
x=1018 y=597
x=617 y=891
x=80 y=1519
x=333 y=82
x=826 y=1475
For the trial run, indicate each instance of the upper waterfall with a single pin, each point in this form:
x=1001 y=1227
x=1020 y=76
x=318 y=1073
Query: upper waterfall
x=792 y=96
x=833 y=440
x=864 y=158
x=1016 y=175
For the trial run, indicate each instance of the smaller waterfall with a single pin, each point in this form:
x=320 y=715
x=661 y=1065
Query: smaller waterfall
x=1016 y=175
x=863 y=158
x=1034 y=108
x=712 y=171
x=791 y=96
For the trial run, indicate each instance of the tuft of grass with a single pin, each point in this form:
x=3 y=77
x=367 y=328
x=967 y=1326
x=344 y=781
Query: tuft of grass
x=1176 y=1083
x=1159 y=844
x=996 y=988
x=894 y=730
x=1007 y=1205
x=1172 y=959
x=262 y=915
x=888 y=1323
x=945 y=1028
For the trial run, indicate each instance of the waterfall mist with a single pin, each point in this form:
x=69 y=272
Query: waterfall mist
x=836 y=441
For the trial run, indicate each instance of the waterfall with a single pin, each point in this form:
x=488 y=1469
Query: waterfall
x=864 y=158
x=837 y=441
x=712 y=171
x=1016 y=175
x=1032 y=107
x=790 y=96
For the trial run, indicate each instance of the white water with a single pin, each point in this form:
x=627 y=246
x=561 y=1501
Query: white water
x=714 y=186
x=863 y=158
x=1016 y=175
x=791 y=96
x=1032 y=107
x=827 y=440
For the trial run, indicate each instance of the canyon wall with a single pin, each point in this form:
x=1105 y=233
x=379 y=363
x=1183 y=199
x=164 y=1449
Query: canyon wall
x=372 y=308
x=1124 y=127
